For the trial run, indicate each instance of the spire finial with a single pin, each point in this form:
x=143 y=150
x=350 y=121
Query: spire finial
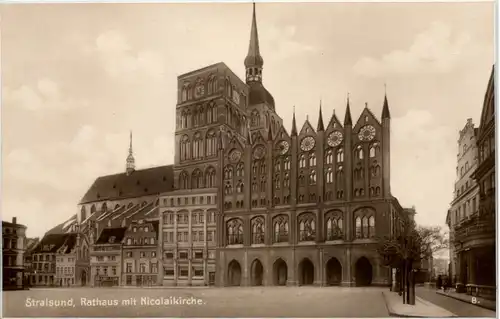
x=294 y=124
x=385 y=88
x=366 y=105
x=130 y=157
x=321 y=126
x=254 y=61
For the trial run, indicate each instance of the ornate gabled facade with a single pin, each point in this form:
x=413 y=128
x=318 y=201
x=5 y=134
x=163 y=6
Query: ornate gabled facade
x=474 y=238
x=13 y=250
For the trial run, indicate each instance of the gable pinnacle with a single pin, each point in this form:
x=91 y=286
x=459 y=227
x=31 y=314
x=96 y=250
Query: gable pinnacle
x=386 y=114
x=321 y=127
x=294 y=124
x=347 y=118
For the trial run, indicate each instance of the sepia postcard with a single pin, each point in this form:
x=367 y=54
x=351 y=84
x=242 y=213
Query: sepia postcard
x=248 y=160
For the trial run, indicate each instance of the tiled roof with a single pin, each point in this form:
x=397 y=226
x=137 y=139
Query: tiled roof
x=143 y=182
x=69 y=243
x=107 y=233
x=53 y=241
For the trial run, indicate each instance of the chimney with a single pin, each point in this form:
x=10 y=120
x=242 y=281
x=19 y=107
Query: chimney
x=14 y=220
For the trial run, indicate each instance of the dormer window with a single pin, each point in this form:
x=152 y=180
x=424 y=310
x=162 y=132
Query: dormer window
x=112 y=239
x=146 y=229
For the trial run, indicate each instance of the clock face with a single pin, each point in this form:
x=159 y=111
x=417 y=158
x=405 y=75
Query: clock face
x=366 y=133
x=307 y=143
x=335 y=138
x=258 y=153
x=199 y=90
x=235 y=156
x=283 y=147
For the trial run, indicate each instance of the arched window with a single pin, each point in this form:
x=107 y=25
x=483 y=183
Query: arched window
x=255 y=118
x=371 y=229
x=228 y=172
x=359 y=152
x=286 y=180
x=312 y=177
x=465 y=148
x=374 y=149
x=210 y=177
x=240 y=169
x=312 y=159
x=239 y=187
x=307 y=227
x=359 y=234
x=258 y=230
x=340 y=174
x=183 y=180
x=286 y=163
x=280 y=229
x=329 y=157
x=197 y=146
x=211 y=143
x=129 y=241
x=197 y=179
x=263 y=184
x=277 y=182
x=365 y=227
x=333 y=226
x=302 y=161
x=184 y=94
x=340 y=155
x=185 y=147
x=235 y=231
x=329 y=175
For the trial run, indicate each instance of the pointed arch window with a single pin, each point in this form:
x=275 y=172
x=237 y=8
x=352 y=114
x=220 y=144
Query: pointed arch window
x=307 y=227
x=374 y=149
x=329 y=157
x=228 y=172
x=375 y=170
x=371 y=227
x=197 y=146
x=280 y=229
x=185 y=146
x=301 y=179
x=277 y=184
x=312 y=159
x=302 y=161
x=263 y=184
x=286 y=180
x=228 y=189
x=329 y=175
x=286 y=163
x=197 y=179
x=211 y=143
x=184 y=93
x=240 y=169
x=333 y=226
x=183 y=180
x=210 y=177
x=277 y=165
x=359 y=152
x=358 y=227
x=365 y=226
x=255 y=118
x=254 y=168
x=340 y=174
x=239 y=187
x=258 y=230
x=235 y=231
x=340 y=155
x=312 y=177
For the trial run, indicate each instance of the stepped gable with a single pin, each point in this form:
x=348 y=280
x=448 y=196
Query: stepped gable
x=107 y=233
x=138 y=183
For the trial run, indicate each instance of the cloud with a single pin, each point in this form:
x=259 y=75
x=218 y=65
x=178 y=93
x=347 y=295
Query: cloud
x=435 y=50
x=283 y=43
x=45 y=95
x=119 y=58
x=420 y=144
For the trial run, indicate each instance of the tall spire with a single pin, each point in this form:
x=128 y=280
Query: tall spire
x=321 y=127
x=130 y=158
x=294 y=124
x=385 y=109
x=347 y=118
x=254 y=61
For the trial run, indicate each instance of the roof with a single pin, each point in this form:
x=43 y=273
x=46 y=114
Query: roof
x=107 y=233
x=139 y=183
x=62 y=227
x=69 y=243
x=51 y=243
x=9 y=224
x=259 y=94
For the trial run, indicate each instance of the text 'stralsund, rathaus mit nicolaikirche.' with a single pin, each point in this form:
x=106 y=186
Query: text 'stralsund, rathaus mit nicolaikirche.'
x=245 y=203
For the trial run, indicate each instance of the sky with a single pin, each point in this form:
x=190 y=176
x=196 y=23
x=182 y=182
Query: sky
x=76 y=78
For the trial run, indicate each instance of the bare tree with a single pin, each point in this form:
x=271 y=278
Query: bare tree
x=405 y=249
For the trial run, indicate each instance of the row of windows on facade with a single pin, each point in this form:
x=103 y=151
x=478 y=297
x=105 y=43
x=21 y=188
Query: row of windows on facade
x=8 y=230
x=183 y=236
x=212 y=87
x=466 y=209
x=255 y=120
x=142 y=254
x=182 y=271
x=184 y=201
x=64 y=271
x=10 y=261
x=196 y=150
x=198 y=179
x=70 y=259
x=184 y=255
x=9 y=243
x=44 y=257
x=464 y=188
x=365 y=228
x=183 y=218
x=105 y=258
x=488 y=185
x=106 y=270
x=44 y=267
x=140 y=241
x=201 y=115
x=143 y=268
x=140 y=280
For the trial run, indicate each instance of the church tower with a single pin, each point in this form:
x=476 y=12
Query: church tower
x=130 y=158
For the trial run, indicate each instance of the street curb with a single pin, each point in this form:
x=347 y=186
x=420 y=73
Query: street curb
x=470 y=303
x=394 y=314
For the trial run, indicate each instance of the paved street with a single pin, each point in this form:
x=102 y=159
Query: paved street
x=458 y=307
x=214 y=302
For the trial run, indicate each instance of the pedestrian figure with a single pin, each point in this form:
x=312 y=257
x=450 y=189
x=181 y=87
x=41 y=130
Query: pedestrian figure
x=439 y=282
